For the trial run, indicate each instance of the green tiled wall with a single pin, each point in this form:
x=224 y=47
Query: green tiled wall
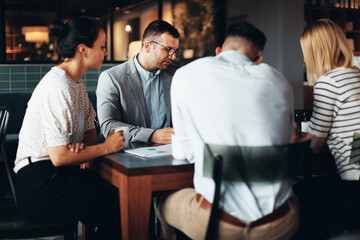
x=22 y=78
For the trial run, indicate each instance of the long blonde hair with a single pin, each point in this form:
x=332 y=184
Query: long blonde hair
x=325 y=48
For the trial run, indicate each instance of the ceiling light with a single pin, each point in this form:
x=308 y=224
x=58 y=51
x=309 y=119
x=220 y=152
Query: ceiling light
x=128 y=28
x=37 y=34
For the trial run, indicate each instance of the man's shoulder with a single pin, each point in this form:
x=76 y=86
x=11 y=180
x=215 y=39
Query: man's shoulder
x=269 y=72
x=120 y=67
x=199 y=63
x=119 y=72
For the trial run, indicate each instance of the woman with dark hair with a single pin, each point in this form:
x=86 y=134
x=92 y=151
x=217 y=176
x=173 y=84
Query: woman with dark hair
x=58 y=134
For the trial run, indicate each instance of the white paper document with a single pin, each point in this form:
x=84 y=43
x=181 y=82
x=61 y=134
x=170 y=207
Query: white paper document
x=163 y=150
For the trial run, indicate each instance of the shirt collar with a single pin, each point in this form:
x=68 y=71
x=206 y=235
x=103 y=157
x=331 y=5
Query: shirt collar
x=234 y=56
x=145 y=74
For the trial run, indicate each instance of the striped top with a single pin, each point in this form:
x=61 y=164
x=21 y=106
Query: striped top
x=336 y=115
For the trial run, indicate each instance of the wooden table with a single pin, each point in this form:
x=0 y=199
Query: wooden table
x=137 y=178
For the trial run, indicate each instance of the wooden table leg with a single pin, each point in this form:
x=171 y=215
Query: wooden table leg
x=135 y=204
x=88 y=233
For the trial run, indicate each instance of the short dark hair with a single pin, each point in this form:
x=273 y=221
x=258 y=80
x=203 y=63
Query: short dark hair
x=158 y=27
x=248 y=31
x=78 y=30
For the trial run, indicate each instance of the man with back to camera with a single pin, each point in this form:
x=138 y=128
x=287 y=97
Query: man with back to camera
x=136 y=94
x=231 y=99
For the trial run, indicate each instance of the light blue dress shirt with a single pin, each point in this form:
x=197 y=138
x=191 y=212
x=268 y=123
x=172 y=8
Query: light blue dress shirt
x=154 y=97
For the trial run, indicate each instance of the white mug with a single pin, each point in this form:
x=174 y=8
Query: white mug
x=125 y=134
x=177 y=150
x=305 y=126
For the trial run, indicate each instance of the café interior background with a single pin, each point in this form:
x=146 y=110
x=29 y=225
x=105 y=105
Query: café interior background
x=202 y=24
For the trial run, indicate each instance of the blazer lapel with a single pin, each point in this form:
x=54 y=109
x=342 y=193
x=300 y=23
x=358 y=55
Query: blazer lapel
x=135 y=82
x=166 y=82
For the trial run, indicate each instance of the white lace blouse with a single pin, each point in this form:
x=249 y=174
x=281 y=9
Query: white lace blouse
x=58 y=113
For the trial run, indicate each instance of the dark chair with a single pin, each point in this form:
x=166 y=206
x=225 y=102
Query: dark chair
x=12 y=223
x=251 y=164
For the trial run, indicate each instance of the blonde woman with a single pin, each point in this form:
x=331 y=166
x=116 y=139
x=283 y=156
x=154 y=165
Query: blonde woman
x=336 y=112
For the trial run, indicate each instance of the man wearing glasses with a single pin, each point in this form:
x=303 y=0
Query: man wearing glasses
x=136 y=94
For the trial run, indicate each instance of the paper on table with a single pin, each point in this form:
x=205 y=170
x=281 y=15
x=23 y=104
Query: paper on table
x=163 y=150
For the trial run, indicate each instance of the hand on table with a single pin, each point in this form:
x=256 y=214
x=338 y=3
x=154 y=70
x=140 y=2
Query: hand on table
x=162 y=136
x=115 y=141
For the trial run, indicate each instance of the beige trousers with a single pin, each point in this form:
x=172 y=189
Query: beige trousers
x=180 y=210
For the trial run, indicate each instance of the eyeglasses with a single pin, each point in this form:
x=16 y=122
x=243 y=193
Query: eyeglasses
x=170 y=50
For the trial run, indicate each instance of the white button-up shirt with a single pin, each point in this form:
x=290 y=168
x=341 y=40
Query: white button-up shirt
x=58 y=113
x=230 y=100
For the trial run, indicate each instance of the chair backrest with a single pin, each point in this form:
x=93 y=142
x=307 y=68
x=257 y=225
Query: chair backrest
x=252 y=164
x=16 y=102
x=24 y=228
x=4 y=121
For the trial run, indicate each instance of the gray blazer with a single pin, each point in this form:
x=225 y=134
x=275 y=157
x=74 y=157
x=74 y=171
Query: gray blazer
x=121 y=101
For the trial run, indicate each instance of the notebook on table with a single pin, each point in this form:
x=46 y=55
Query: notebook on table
x=153 y=151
